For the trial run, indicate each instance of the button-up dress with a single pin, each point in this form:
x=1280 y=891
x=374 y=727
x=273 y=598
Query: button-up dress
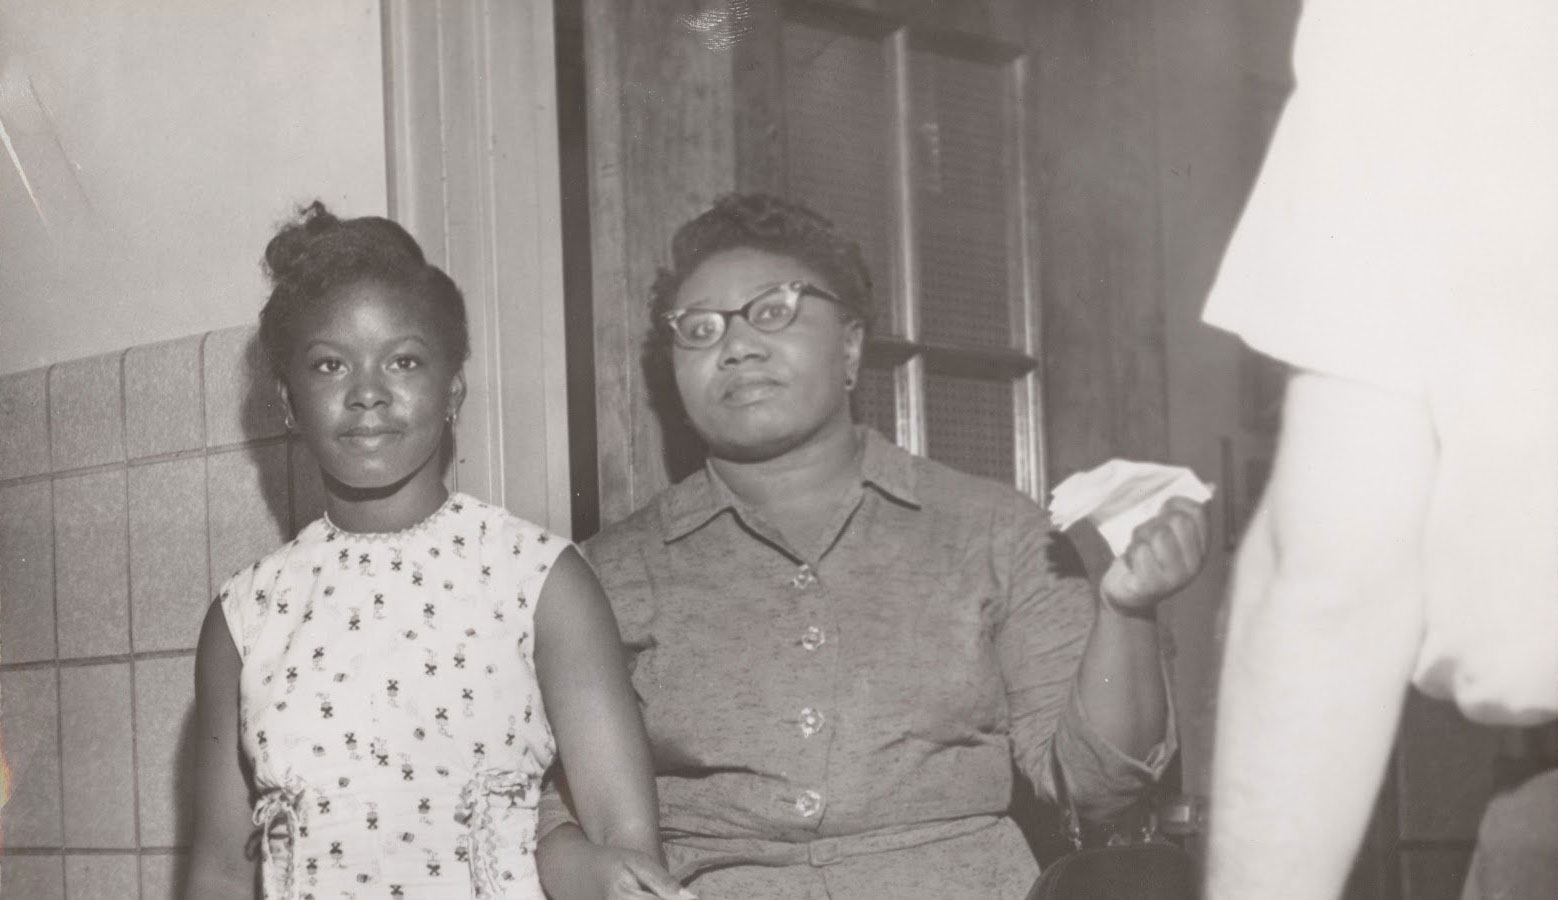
x=842 y=720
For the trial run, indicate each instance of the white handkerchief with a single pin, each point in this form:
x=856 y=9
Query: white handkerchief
x=1120 y=495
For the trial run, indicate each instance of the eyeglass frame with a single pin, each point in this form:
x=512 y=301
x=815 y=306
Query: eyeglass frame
x=793 y=291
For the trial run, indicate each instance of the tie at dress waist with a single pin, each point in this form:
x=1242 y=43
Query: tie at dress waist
x=280 y=814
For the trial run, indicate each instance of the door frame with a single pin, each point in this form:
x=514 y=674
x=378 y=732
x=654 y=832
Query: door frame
x=470 y=101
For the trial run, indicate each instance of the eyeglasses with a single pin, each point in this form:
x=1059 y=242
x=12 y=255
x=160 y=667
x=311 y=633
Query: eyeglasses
x=773 y=309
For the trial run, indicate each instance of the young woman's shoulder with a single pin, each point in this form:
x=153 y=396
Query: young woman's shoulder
x=505 y=533
x=267 y=568
x=246 y=596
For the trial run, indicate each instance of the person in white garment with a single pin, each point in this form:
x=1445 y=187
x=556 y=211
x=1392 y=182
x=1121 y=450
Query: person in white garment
x=1400 y=252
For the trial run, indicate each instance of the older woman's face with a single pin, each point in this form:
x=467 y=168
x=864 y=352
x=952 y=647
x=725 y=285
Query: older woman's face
x=757 y=395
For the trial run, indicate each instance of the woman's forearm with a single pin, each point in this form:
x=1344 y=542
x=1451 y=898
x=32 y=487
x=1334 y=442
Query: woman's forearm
x=1120 y=678
x=1120 y=681
x=630 y=830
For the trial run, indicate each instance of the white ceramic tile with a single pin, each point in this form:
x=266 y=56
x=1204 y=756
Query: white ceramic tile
x=169 y=574
x=161 y=875
x=97 y=765
x=164 y=412
x=246 y=492
x=29 y=718
x=86 y=412
x=164 y=726
x=91 y=564
x=24 y=424
x=101 y=876
x=27 y=572
x=241 y=401
x=32 y=877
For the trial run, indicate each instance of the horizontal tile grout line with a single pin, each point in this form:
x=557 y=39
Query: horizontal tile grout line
x=82 y=661
x=92 y=851
x=140 y=461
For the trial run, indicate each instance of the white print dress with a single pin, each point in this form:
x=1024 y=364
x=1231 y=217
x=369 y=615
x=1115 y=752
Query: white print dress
x=389 y=706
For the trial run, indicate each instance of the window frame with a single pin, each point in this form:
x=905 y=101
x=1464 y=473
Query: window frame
x=899 y=345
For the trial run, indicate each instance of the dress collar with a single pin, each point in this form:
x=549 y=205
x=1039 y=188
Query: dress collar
x=453 y=505
x=697 y=499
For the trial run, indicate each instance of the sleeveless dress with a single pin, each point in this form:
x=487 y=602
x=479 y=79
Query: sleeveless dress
x=389 y=706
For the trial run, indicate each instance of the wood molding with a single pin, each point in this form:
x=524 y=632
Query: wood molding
x=662 y=148
x=988 y=20
x=757 y=77
x=470 y=103
x=1095 y=132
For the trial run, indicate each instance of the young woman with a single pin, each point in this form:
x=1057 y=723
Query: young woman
x=379 y=697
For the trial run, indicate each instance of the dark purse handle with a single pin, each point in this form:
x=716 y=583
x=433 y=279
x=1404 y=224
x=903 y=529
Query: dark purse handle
x=1076 y=834
x=1145 y=870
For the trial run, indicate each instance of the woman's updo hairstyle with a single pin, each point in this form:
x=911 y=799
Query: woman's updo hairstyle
x=317 y=253
x=764 y=222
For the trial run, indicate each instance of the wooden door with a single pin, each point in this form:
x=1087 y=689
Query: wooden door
x=471 y=115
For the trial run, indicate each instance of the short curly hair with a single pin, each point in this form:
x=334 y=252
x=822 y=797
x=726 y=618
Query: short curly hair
x=317 y=253
x=763 y=222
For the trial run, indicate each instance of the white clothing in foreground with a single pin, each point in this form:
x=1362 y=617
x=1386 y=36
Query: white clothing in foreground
x=1404 y=233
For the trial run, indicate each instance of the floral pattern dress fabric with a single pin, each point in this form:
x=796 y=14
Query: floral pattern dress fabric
x=389 y=706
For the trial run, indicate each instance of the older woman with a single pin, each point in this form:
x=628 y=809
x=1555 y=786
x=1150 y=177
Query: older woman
x=841 y=648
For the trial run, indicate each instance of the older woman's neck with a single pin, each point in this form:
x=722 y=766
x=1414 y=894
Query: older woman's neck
x=812 y=475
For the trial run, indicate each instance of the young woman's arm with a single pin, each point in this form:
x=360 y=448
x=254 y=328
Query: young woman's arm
x=219 y=866
x=600 y=739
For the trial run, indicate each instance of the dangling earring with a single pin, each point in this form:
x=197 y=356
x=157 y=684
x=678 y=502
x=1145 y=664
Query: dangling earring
x=452 y=417
x=288 y=422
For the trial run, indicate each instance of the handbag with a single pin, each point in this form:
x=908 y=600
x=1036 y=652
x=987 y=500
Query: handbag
x=1143 y=866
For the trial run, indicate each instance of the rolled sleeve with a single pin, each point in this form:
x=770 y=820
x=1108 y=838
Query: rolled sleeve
x=1050 y=612
x=1103 y=780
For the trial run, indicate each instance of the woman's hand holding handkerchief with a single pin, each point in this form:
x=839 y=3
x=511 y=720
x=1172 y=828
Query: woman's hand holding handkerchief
x=1154 y=520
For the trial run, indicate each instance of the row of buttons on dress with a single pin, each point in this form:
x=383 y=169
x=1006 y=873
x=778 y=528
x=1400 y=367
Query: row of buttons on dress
x=809 y=803
x=805 y=578
x=811 y=719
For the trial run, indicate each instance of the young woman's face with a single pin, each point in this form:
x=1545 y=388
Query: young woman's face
x=371 y=386
x=756 y=395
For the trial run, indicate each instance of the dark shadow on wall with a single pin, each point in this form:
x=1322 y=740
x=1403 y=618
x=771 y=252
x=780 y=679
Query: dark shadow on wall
x=184 y=795
x=682 y=450
x=263 y=428
x=578 y=272
x=1241 y=104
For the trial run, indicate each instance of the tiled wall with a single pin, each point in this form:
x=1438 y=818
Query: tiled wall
x=131 y=485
